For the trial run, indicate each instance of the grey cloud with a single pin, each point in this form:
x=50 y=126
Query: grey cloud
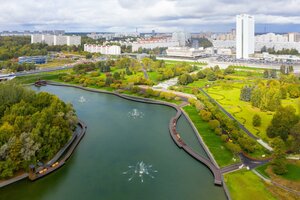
x=107 y=15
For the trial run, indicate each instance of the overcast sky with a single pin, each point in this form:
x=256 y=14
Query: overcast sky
x=147 y=15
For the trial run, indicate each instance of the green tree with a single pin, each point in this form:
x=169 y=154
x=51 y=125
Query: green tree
x=214 y=124
x=211 y=76
x=206 y=115
x=283 y=120
x=279 y=161
x=256 y=120
x=88 y=56
x=246 y=93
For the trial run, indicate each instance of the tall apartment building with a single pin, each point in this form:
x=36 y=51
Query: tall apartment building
x=56 y=39
x=244 y=36
x=294 y=37
x=106 y=50
x=182 y=37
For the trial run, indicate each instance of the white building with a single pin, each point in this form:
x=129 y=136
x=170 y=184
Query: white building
x=185 y=52
x=271 y=37
x=153 y=43
x=244 y=36
x=56 y=39
x=294 y=37
x=106 y=50
x=182 y=37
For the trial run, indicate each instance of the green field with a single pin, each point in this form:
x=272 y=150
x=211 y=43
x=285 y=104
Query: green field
x=222 y=155
x=262 y=170
x=246 y=185
x=56 y=63
x=293 y=173
x=229 y=98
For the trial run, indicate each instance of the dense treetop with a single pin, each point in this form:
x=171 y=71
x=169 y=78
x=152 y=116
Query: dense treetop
x=33 y=127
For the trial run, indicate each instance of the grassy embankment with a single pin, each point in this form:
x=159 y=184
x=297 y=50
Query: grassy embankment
x=246 y=185
x=222 y=155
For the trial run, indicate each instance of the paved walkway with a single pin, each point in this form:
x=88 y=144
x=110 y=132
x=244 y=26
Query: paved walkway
x=13 y=180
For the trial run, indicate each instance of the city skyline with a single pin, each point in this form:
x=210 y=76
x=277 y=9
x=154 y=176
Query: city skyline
x=162 y=16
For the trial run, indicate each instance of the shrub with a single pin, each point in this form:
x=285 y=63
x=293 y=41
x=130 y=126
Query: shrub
x=205 y=115
x=256 y=120
x=214 y=124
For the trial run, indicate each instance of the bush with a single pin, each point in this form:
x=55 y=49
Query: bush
x=224 y=138
x=233 y=147
x=214 y=124
x=279 y=166
x=211 y=76
x=205 y=115
x=256 y=120
x=201 y=75
x=218 y=131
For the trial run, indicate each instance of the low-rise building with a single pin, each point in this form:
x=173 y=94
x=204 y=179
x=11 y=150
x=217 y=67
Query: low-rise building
x=154 y=43
x=184 y=52
x=33 y=59
x=106 y=50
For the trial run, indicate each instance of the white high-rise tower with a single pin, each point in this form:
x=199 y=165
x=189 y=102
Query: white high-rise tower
x=244 y=36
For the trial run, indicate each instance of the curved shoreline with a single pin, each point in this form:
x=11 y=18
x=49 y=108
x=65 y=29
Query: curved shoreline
x=69 y=147
x=172 y=128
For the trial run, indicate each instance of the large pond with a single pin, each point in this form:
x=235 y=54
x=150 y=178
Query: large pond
x=120 y=134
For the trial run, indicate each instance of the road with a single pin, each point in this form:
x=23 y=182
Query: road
x=5 y=76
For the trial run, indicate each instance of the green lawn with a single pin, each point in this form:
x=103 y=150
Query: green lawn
x=262 y=170
x=246 y=185
x=56 y=63
x=222 y=155
x=229 y=98
x=293 y=172
x=153 y=76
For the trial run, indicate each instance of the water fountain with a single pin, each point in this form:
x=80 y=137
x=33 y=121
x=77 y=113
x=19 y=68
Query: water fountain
x=82 y=99
x=140 y=170
x=135 y=113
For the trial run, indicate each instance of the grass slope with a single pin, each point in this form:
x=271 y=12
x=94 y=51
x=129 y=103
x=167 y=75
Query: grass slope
x=222 y=155
x=247 y=186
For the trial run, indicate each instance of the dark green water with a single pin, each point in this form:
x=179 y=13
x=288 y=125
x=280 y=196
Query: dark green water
x=113 y=141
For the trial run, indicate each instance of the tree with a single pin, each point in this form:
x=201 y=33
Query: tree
x=279 y=161
x=205 y=115
x=185 y=79
x=229 y=70
x=211 y=76
x=266 y=73
x=214 y=124
x=116 y=76
x=256 y=120
x=295 y=140
x=246 y=93
x=283 y=120
x=88 y=56
x=201 y=75
x=234 y=148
